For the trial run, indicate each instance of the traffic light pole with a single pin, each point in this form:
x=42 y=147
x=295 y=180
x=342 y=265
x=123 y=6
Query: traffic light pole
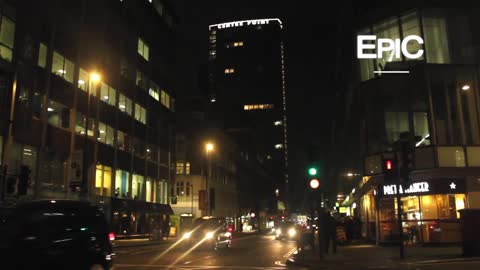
x=399 y=211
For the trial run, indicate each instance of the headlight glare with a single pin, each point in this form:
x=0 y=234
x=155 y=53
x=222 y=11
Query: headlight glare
x=187 y=235
x=209 y=235
x=292 y=232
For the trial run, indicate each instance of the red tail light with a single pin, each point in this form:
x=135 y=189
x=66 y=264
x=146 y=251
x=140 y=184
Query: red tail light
x=111 y=236
x=230 y=229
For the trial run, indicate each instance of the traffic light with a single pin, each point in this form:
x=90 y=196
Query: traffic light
x=390 y=169
x=407 y=165
x=312 y=171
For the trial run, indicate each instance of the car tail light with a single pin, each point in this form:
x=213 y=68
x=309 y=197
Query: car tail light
x=230 y=229
x=111 y=236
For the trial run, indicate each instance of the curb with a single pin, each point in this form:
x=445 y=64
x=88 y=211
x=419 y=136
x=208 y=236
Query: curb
x=439 y=261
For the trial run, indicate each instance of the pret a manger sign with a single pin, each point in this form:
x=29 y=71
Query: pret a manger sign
x=395 y=47
x=420 y=187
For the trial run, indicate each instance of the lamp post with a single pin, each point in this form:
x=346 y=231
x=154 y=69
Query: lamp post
x=92 y=78
x=208 y=148
x=192 y=194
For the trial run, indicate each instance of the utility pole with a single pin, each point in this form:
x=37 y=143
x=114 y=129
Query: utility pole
x=399 y=209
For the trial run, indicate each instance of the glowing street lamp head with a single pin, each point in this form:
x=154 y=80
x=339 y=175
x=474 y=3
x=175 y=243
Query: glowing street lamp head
x=95 y=77
x=209 y=147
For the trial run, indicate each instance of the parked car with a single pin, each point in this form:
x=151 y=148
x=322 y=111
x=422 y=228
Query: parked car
x=55 y=234
x=210 y=232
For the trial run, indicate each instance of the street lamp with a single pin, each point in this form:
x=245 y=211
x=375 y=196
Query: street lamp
x=208 y=148
x=93 y=77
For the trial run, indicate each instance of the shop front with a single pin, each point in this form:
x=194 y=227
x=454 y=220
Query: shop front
x=429 y=208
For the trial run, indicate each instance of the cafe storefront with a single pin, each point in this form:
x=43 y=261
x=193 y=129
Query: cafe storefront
x=430 y=211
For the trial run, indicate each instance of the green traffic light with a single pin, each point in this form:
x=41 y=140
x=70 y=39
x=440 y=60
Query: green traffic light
x=312 y=171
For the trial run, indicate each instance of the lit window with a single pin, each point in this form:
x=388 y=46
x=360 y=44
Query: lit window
x=108 y=94
x=83 y=80
x=278 y=146
x=229 y=70
x=105 y=134
x=187 y=167
x=125 y=104
x=42 y=55
x=142 y=80
x=123 y=141
x=7 y=37
x=140 y=114
x=277 y=123
x=179 y=168
x=143 y=49
x=58 y=114
x=154 y=91
x=103 y=180
x=80 y=123
x=62 y=67
x=165 y=99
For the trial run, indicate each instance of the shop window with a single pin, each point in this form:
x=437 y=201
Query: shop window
x=450 y=156
x=103 y=180
x=137 y=187
x=42 y=55
x=62 y=67
x=162 y=192
x=121 y=184
x=58 y=114
x=143 y=49
x=108 y=94
x=149 y=189
x=140 y=114
x=125 y=104
x=7 y=37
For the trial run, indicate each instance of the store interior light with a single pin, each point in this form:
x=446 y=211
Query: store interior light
x=465 y=87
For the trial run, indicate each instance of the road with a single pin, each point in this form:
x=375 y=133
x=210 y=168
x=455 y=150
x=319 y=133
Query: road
x=263 y=252
x=247 y=252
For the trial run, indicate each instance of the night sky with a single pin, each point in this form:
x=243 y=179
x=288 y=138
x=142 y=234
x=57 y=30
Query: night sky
x=310 y=51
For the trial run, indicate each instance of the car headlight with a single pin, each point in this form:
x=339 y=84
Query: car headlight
x=187 y=235
x=227 y=234
x=279 y=231
x=209 y=235
x=292 y=232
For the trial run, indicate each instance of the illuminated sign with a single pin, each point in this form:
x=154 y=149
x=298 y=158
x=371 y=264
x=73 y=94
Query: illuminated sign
x=394 y=46
x=432 y=186
x=342 y=210
x=245 y=23
x=421 y=187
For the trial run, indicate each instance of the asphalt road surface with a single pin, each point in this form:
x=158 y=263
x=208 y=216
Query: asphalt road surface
x=247 y=252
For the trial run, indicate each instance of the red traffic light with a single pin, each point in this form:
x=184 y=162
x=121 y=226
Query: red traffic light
x=388 y=165
x=314 y=183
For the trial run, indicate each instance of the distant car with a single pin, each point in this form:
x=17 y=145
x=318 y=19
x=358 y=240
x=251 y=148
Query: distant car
x=55 y=234
x=286 y=230
x=210 y=232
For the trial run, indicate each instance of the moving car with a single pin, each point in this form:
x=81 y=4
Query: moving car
x=55 y=234
x=209 y=232
x=286 y=230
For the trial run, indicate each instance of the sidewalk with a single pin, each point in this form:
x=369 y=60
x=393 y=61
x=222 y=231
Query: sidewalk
x=363 y=256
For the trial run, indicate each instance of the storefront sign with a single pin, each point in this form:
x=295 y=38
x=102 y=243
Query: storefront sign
x=432 y=186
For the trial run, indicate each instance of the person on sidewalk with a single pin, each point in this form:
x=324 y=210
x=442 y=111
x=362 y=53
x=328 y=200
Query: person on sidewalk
x=330 y=226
